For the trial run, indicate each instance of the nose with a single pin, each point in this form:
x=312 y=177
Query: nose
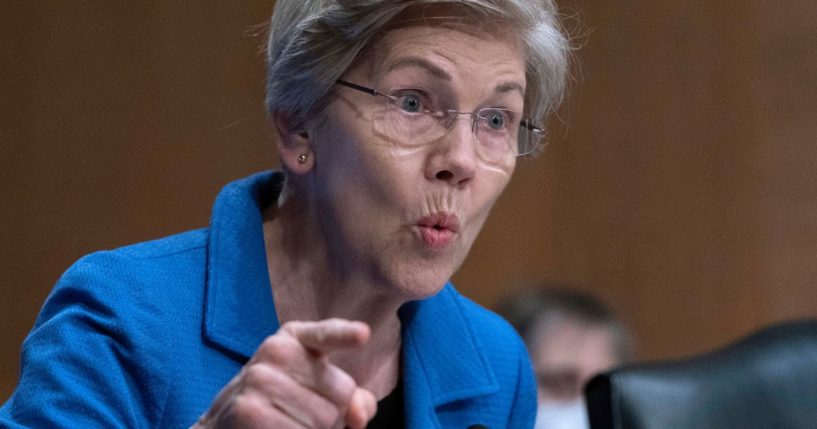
x=454 y=158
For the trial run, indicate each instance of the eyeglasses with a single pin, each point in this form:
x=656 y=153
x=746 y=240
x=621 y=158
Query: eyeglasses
x=409 y=118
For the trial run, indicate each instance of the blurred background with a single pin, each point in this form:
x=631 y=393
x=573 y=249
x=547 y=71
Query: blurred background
x=680 y=184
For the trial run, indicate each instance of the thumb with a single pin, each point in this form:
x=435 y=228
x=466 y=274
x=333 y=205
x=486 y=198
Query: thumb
x=362 y=408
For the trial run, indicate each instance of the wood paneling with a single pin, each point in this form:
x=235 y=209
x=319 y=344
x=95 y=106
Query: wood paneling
x=679 y=184
x=120 y=123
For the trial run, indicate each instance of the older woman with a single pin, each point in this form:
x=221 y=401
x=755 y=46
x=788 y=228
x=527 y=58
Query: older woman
x=318 y=296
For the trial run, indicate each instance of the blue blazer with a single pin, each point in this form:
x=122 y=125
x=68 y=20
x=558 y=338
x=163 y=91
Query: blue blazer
x=145 y=336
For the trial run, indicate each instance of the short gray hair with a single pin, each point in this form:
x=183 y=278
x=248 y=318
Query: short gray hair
x=313 y=42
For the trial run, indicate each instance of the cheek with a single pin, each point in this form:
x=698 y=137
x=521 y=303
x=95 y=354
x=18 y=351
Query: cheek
x=493 y=181
x=363 y=178
x=492 y=186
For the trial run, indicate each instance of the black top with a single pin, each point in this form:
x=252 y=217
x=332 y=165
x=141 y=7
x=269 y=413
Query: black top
x=390 y=410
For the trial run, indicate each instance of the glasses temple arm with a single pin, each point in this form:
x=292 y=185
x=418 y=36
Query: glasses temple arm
x=526 y=123
x=357 y=87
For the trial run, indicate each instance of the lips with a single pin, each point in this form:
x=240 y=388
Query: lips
x=438 y=229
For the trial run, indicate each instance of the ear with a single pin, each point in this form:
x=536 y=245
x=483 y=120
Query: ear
x=294 y=145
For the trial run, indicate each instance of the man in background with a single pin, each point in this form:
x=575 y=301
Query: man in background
x=571 y=336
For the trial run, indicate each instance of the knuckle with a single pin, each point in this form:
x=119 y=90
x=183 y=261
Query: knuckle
x=249 y=409
x=328 y=417
x=257 y=374
x=292 y=327
x=277 y=348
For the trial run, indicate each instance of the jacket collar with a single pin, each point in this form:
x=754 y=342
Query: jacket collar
x=240 y=312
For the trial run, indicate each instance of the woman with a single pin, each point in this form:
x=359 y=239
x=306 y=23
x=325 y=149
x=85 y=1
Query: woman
x=318 y=296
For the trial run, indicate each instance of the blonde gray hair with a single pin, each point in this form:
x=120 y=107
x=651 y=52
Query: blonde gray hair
x=313 y=42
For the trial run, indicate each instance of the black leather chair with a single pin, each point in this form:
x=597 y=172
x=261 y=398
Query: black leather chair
x=767 y=380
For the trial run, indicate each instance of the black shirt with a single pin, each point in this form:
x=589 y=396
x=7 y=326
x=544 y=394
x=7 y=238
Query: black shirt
x=390 y=410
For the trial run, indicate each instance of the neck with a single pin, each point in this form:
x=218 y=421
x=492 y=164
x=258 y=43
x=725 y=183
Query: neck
x=308 y=284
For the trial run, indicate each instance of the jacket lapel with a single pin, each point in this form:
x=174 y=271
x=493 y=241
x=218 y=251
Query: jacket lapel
x=442 y=363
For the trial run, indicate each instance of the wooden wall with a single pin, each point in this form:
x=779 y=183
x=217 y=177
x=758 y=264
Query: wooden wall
x=680 y=184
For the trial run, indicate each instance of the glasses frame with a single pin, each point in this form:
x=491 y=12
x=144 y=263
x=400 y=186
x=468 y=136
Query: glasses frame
x=538 y=133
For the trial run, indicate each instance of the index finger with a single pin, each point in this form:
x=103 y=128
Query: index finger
x=326 y=336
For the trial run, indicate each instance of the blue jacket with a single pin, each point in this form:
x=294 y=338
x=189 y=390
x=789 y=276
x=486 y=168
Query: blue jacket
x=147 y=335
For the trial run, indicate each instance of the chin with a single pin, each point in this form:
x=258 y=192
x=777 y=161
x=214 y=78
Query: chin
x=421 y=280
x=419 y=291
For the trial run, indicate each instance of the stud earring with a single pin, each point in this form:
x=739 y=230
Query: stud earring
x=302 y=158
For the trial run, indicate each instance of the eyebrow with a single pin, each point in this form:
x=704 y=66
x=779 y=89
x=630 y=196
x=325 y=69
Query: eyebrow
x=510 y=86
x=421 y=63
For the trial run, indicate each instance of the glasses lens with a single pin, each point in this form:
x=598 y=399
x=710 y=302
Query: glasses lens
x=402 y=121
x=497 y=132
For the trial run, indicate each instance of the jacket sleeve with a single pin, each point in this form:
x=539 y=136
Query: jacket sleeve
x=84 y=363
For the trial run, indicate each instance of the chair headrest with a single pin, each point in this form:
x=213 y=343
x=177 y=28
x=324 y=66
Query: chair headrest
x=766 y=380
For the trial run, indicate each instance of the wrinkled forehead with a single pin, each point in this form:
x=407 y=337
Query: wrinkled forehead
x=435 y=17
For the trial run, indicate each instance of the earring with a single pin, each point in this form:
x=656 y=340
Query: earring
x=302 y=158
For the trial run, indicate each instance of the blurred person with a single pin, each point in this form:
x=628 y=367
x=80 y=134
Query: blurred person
x=571 y=337
x=318 y=297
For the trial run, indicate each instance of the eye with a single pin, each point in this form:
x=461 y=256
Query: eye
x=410 y=102
x=495 y=119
